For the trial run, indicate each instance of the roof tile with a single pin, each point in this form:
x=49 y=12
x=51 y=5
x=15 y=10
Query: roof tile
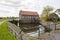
x=28 y=13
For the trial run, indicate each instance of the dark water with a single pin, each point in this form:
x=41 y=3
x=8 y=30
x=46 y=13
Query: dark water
x=29 y=27
x=26 y=27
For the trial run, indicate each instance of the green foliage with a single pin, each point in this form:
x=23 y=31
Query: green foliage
x=53 y=17
x=47 y=9
x=46 y=12
x=58 y=11
x=48 y=16
x=47 y=29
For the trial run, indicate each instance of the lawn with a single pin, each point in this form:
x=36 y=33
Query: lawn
x=5 y=34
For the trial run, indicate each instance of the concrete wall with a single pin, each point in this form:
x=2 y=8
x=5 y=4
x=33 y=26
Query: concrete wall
x=15 y=30
x=51 y=25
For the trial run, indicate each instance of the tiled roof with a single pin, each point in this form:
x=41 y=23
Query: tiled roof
x=28 y=13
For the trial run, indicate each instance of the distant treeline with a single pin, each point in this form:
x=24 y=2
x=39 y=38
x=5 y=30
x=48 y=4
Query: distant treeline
x=9 y=17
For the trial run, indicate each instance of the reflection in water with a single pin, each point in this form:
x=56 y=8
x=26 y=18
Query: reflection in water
x=35 y=33
x=32 y=29
x=29 y=27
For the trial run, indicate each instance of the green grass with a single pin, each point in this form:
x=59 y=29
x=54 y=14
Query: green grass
x=58 y=22
x=5 y=34
x=1 y=19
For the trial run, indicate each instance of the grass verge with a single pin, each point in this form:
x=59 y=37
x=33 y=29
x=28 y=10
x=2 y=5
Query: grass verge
x=5 y=34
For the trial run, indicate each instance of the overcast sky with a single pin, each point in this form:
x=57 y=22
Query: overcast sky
x=12 y=7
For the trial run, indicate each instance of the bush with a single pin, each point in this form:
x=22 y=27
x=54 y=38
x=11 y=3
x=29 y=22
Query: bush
x=47 y=29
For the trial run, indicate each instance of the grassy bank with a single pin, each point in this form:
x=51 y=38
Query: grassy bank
x=5 y=34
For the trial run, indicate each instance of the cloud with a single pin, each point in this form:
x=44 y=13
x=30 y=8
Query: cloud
x=8 y=8
x=28 y=4
x=12 y=7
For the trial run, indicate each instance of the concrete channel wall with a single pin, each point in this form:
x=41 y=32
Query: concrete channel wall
x=20 y=35
x=15 y=30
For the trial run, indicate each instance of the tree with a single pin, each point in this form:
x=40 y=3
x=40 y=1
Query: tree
x=46 y=12
x=58 y=11
x=53 y=17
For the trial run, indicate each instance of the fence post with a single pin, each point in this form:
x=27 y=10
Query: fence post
x=21 y=36
x=55 y=26
x=39 y=33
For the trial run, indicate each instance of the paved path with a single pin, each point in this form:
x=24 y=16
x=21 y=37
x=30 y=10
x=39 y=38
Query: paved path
x=2 y=22
x=53 y=36
x=56 y=35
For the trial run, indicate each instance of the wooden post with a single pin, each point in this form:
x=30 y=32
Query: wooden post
x=38 y=33
x=55 y=26
x=21 y=35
